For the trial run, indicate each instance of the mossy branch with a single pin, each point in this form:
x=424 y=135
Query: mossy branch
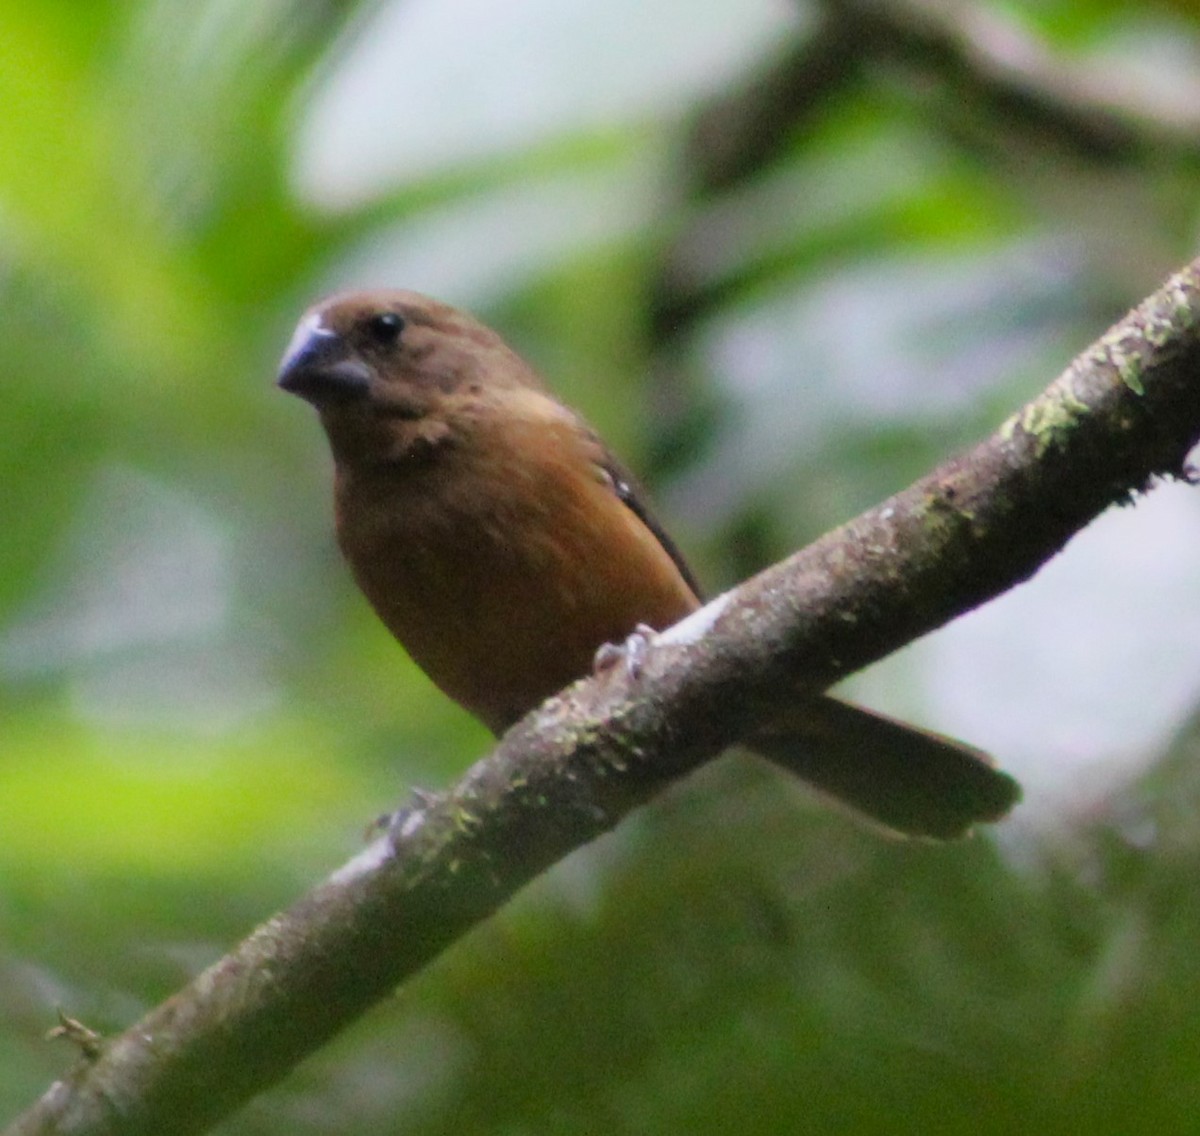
x=1125 y=412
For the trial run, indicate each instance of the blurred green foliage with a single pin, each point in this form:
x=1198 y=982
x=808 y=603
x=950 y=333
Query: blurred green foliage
x=200 y=717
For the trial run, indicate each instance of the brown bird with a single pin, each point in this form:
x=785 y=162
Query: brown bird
x=502 y=544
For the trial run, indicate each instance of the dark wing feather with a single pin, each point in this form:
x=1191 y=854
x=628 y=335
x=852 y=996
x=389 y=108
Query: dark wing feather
x=634 y=496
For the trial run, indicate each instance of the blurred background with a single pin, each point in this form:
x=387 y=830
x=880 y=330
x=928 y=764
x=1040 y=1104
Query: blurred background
x=786 y=256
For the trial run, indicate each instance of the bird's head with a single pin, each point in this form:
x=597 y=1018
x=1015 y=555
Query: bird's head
x=385 y=368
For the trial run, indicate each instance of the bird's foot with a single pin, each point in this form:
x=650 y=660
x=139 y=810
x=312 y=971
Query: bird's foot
x=631 y=653
x=394 y=821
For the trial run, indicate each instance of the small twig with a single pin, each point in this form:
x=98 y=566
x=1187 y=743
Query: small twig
x=87 y=1041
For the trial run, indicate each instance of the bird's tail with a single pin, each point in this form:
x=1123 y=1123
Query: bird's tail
x=910 y=781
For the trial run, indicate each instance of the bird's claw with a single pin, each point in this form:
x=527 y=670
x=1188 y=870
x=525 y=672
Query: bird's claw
x=632 y=652
x=394 y=821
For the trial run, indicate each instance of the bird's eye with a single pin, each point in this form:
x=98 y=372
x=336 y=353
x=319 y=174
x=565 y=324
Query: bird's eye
x=384 y=328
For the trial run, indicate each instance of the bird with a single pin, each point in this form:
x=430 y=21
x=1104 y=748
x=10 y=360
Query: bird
x=503 y=544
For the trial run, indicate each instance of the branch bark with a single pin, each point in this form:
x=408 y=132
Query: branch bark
x=1125 y=412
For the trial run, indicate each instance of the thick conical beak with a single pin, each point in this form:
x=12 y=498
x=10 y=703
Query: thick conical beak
x=320 y=368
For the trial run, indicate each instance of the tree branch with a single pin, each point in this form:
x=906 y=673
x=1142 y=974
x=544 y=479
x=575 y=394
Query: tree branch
x=979 y=56
x=963 y=62
x=1124 y=412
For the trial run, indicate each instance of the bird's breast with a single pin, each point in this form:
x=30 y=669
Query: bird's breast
x=502 y=568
